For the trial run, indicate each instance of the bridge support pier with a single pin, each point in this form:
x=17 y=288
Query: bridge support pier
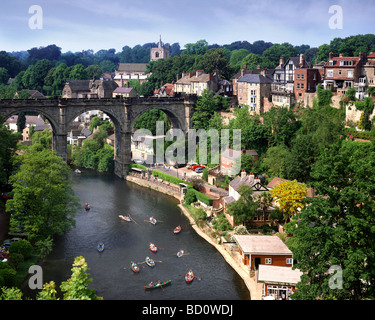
x=123 y=154
x=60 y=145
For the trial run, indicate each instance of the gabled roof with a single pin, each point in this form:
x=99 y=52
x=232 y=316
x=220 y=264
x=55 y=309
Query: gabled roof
x=255 y=78
x=260 y=244
x=277 y=274
x=336 y=62
x=122 y=90
x=132 y=67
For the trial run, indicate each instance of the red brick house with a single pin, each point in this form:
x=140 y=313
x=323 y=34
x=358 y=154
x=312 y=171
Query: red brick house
x=306 y=80
x=258 y=250
x=342 y=73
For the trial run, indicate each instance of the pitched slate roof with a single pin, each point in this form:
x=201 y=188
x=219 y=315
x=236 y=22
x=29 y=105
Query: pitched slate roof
x=255 y=78
x=122 y=90
x=132 y=67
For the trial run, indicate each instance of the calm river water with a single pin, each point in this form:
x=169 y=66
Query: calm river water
x=109 y=197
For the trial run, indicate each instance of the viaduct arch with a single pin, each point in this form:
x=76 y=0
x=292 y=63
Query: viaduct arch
x=123 y=112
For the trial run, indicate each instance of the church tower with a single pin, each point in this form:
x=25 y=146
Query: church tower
x=160 y=52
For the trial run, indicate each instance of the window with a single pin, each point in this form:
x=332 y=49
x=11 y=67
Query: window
x=302 y=76
x=330 y=62
x=253 y=100
x=297 y=85
x=268 y=260
x=346 y=63
x=350 y=73
x=371 y=81
x=289 y=261
x=298 y=76
x=340 y=72
x=302 y=86
x=252 y=92
x=330 y=73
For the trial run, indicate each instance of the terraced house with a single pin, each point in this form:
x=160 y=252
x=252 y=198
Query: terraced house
x=342 y=73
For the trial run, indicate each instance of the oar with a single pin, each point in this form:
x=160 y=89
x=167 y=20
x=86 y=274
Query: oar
x=197 y=277
x=132 y=219
x=157 y=261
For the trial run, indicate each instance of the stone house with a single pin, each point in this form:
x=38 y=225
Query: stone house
x=252 y=89
x=89 y=89
x=196 y=82
x=130 y=71
x=126 y=92
x=342 y=73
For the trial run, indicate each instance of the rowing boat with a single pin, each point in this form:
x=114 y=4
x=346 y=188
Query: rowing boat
x=189 y=276
x=101 y=247
x=177 y=230
x=158 y=284
x=124 y=218
x=134 y=267
x=150 y=262
x=180 y=253
x=153 y=220
x=152 y=247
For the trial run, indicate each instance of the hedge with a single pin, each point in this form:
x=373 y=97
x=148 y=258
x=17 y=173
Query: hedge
x=202 y=197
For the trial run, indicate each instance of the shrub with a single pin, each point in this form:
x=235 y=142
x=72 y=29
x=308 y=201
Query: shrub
x=190 y=196
x=15 y=259
x=9 y=276
x=23 y=247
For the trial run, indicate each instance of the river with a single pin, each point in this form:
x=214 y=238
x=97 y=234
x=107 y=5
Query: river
x=110 y=196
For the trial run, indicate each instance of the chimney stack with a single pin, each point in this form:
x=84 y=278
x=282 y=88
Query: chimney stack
x=331 y=55
x=178 y=76
x=281 y=61
x=263 y=72
x=301 y=60
x=243 y=174
x=361 y=55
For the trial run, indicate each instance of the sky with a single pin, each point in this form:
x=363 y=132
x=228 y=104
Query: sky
x=76 y=25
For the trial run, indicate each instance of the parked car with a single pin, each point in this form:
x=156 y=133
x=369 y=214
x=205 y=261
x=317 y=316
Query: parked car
x=138 y=161
x=179 y=165
x=190 y=167
x=194 y=167
x=199 y=170
x=6 y=244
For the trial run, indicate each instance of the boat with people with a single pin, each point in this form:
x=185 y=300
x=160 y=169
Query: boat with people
x=152 y=247
x=158 y=284
x=125 y=218
x=134 y=267
x=87 y=207
x=153 y=220
x=100 y=247
x=177 y=230
x=150 y=262
x=189 y=276
x=180 y=253
x=77 y=171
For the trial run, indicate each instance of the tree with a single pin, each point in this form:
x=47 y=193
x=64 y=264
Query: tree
x=94 y=71
x=275 y=162
x=214 y=60
x=78 y=73
x=336 y=229
x=245 y=207
x=4 y=76
x=43 y=200
x=77 y=287
x=265 y=201
x=271 y=56
x=200 y=47
x=290 y=196
x=204 y=110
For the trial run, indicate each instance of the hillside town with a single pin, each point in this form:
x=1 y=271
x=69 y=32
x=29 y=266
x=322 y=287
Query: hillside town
x=287 y=125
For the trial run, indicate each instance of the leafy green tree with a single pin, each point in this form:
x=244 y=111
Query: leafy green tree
x=336 y=229
x=214 y=60
x=43 y=137
x=77 y=286
x=200 y=47
x=245 y=207
x=4 y=75
x=204 y=110
x=94 y=71
x=271 y=56
x=251 y=61
x=43 y=199
x=275 y=162
x=78 y=73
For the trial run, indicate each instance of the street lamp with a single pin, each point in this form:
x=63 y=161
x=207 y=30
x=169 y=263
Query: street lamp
x=176 y=164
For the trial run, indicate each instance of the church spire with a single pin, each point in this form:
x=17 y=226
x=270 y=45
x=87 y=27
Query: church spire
x=160 y=42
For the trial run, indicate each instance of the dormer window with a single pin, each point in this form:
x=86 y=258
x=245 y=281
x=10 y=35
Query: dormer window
x=346 y=63
x=330 y=62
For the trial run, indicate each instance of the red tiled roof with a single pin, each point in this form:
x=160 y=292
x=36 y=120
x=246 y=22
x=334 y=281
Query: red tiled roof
x=336 y=62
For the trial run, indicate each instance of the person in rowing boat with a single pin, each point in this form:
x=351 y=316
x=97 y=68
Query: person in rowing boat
x=151 y=284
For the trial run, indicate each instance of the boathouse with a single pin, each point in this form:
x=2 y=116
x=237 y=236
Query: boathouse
x=260 y=249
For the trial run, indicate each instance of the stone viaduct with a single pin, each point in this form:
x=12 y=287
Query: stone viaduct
x=123 y=112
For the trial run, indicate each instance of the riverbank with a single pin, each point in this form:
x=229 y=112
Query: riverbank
x=232 y=258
